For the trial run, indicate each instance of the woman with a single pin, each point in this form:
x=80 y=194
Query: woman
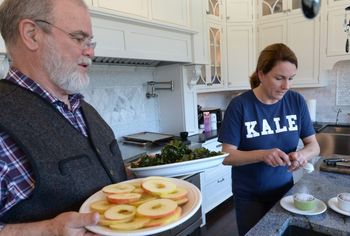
x=261 y=130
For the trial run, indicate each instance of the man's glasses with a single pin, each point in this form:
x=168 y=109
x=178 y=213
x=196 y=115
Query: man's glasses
x=80 y=37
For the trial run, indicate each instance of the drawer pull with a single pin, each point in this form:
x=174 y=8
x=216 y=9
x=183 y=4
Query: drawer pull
x=221 y=180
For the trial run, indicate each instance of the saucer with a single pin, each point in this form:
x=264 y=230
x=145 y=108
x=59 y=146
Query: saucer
x=333 y=203
x=288 y=204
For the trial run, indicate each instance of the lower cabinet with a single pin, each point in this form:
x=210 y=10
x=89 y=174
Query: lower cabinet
x=216 y=182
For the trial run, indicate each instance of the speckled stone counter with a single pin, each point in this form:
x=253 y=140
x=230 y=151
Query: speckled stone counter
x=324 y=186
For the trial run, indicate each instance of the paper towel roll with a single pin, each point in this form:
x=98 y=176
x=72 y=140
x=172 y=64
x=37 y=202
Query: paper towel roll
x=311 y=105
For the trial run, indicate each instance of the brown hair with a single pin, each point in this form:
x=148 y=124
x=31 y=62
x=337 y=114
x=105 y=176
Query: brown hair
x=268 y=59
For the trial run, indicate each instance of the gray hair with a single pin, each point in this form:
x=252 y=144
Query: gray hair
x=13 y=11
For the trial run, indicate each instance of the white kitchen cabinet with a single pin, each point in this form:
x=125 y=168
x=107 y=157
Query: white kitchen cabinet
x=270 y=9
x=177 y=108
x=334 y=37
x=128 y=40
x=216 y=182
x=239 y=11
x=163 y=12
x=240 y=55
x=213 y=74
x=215 y=10
x=302 y=36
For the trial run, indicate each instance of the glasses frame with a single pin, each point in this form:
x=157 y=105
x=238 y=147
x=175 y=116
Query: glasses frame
x=84 y=42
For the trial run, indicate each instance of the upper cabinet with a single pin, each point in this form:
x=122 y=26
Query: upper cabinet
x=231 y=31
x=269 y=9
x=163 y=12
x=283 y=22
x=334 y=36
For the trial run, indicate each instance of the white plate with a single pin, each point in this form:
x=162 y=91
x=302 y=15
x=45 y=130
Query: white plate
x=333 y=203
x=189 y=209
x=180 y=168
x=288 y=204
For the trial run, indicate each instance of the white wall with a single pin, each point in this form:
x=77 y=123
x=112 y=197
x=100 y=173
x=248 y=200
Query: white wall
x=119 y=94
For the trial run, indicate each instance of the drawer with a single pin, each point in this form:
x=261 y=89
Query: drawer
x=217 y=192
x=216 y=172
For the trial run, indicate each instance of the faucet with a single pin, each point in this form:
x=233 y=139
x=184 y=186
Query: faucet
x=336 y=119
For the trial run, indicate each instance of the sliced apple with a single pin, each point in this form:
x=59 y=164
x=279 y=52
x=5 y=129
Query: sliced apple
x=118 y=188
x=144 y=198
x=123 y=198
x=165 y=220
x=120 y=212
x=103 y=221
x=157 y=208
x=181 y=201
x=177 y=194
x=158 y=186
x=136 y=223
x=100 y=206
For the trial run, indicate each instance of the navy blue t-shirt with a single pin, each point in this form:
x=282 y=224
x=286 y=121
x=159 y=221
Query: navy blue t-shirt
x=252 y=125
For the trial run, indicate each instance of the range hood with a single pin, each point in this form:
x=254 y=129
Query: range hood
x=99 y=60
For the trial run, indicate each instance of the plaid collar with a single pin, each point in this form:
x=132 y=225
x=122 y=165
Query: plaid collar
x=17 y=77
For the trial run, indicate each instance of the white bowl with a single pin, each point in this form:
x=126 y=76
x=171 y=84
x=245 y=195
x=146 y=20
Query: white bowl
x=344 y=201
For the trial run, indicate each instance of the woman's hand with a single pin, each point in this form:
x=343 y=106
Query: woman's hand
x=275 y=157
x=73 y=223
x=297 y=160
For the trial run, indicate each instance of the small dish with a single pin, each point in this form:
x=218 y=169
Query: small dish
x=344 y=201
x=333 y=203
x=304 y=201
x=288 y=204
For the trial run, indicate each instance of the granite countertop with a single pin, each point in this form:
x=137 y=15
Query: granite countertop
x=322 y=185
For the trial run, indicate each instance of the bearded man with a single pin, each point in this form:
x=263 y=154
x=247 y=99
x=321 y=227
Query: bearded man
x=55 y=149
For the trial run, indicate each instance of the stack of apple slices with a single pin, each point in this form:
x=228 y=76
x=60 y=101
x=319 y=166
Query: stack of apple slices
x=150 y=202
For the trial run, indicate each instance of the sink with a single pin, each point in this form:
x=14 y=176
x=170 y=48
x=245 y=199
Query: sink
x=334 y=139
x=293 y=230
x=331 y=143
x=336 y=129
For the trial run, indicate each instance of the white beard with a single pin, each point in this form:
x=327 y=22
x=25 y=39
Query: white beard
x=63 y=73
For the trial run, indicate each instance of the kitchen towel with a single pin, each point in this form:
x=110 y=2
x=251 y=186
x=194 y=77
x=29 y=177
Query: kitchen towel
x=311 y=105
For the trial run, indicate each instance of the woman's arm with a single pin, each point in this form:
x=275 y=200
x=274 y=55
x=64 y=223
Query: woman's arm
x=273 y=157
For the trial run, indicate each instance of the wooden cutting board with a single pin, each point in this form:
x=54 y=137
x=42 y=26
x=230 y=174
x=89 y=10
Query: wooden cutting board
x=336 y=169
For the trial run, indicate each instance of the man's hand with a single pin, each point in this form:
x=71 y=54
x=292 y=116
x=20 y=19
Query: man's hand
x=73 y=223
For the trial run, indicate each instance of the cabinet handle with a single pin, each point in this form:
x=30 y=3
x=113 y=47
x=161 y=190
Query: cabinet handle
x=227 y=18
x=207 y=11
x=220 y=180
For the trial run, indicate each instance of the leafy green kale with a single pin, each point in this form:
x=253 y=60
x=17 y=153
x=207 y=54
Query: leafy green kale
x=172 y=152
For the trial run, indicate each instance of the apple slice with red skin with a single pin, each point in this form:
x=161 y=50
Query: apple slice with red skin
x=158 y=186
x=175 y=195
x=118 y=188
x=136 y=223
x=181 y=201
x=157 y=208
x=100 y=206
x=120 y=212
x=165 y=220
x=123 y=198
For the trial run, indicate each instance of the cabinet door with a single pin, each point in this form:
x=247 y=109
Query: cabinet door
x=170 y=11
x=239 y=11
x=215 y=10
x=240 y=56
x=269 y=9
x=271 y=32
x=336 y=37
x=136 y=8
x=214 y=75
x=303 y=38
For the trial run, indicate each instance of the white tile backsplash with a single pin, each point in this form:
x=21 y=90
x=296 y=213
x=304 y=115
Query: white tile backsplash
x=119 y=95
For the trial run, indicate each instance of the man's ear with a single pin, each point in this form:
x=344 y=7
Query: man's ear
x=29 y=34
